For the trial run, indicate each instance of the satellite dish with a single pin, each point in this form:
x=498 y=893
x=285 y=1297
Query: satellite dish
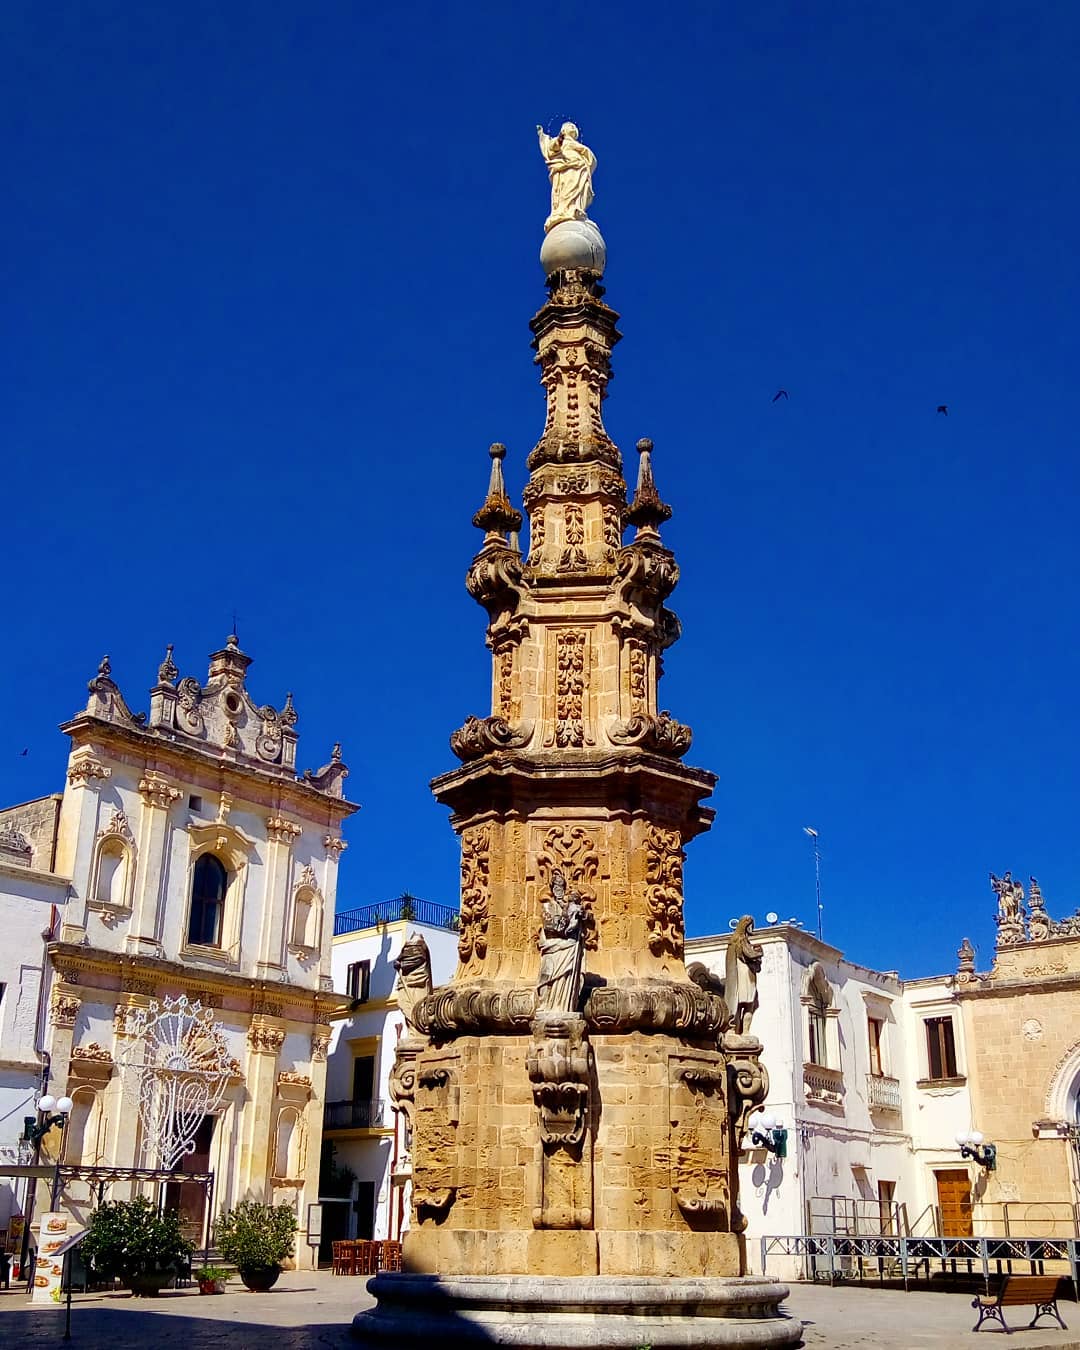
x=771 y=917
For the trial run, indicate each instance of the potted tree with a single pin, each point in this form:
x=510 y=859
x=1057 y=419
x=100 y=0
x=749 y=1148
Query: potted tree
x=134 y=1242
x=256 y=1239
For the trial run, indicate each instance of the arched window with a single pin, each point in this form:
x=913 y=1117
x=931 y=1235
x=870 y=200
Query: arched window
x=208 y=885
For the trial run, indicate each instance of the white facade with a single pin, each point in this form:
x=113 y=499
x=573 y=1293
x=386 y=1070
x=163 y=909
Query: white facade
x=845 y=1050
x=367 y=1135
x=31 y=902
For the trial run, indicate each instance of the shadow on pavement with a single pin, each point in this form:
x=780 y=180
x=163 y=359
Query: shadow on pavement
x=134 y=1329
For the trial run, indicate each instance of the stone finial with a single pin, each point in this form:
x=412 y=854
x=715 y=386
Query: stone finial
x=104 y=669
x=288 y=713
x=498 y=515
x=647 y=511
x=168 y=671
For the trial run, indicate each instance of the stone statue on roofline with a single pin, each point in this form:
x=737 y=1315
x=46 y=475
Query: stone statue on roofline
x=1010 y=915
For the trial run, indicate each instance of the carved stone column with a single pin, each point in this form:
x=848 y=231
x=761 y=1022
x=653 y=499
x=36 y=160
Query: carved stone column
x=265 y=1037
x=281 y=834
x=158 y=795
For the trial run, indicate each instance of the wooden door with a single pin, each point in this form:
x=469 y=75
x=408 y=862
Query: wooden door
x=954 y=1201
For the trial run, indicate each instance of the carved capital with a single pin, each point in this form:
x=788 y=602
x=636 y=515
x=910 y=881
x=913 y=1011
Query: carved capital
x=282 y=831
x=85 y=766
x=265 y=1037
x=334 y=845
x=65 y=1009
x=320 y=1042
x=156 y=790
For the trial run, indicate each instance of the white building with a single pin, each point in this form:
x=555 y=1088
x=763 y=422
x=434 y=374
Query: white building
x=365 y=1191
x=870 y=1120
x=32 y=897
x=190 y=860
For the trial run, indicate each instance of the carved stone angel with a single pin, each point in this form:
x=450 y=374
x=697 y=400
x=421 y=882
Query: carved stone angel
x=413 y=966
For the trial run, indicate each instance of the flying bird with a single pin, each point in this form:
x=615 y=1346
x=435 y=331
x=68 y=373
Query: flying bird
x=780 y=393
x=24 y=752
x=943 y=408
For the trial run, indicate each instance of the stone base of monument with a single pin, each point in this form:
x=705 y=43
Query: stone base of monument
x=564 y=1313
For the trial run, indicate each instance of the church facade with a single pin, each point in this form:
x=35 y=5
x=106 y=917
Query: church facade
x=198 y=866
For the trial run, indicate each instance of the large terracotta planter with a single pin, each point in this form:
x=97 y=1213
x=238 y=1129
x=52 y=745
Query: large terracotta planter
x=260 y=1278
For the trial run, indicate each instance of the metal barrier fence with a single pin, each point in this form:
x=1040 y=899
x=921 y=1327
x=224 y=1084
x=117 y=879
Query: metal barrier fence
x=845 y=1215
x=831 y=1251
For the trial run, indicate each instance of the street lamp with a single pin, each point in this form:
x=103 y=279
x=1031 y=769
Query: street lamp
x=55 y=1110
x=972 y=1146
x=767 y=1132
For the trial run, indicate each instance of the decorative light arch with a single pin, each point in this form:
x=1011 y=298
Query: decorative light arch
x=178 y=1060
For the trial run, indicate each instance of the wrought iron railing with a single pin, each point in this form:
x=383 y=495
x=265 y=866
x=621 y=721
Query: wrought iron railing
x=883 y=1092
x=354 y=1115
x=405 y=907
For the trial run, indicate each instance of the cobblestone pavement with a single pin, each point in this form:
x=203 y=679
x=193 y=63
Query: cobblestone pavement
x=308 y=1311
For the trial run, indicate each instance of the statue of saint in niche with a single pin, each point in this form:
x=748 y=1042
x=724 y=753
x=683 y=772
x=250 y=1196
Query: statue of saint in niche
x=571 y=166
x=561 y=942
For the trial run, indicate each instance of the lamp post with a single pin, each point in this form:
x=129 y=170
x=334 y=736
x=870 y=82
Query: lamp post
x=767 y=1132
x=50 y=1111
x=972 y=1146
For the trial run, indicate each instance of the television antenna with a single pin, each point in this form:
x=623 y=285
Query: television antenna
x=817 y=873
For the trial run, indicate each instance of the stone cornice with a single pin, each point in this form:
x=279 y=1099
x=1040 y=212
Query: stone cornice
x=259 y=784
x=45 y=878
x=1022 y=984
x=73 y=962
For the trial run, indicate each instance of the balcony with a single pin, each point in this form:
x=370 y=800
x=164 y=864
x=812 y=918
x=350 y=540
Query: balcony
x=407 y=908
x=823 y=1086
x=354 y=1116
x=882 y=1093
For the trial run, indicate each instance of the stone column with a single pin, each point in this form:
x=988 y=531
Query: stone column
x=307 y=1257
x=265 y=1037
x=281 y=834
x=158 y=795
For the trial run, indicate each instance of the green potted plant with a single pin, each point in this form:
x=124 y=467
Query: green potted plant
x=134 y=1242
x=257 y=1239
x=211 y=1279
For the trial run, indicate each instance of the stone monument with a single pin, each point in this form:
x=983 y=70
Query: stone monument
x=577 y=1101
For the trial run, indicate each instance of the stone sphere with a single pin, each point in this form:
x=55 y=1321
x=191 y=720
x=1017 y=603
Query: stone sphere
x=573 y=245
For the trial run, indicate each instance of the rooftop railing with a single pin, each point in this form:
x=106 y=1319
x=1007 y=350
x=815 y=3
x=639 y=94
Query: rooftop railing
x=405 y=907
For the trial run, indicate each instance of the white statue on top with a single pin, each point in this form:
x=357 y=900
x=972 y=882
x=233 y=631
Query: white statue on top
x=571 y=167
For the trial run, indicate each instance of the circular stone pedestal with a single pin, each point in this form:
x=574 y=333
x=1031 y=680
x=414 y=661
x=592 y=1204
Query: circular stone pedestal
x=566 y=1313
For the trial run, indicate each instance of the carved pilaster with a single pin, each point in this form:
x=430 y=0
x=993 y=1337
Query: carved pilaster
x=664 y=890
x=475 y=892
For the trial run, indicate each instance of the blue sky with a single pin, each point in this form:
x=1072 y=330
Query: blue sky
x=269 y=269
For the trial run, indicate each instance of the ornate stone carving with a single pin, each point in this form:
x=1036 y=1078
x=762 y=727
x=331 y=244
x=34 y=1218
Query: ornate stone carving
x=570 y=688
x=965 y=973
x=65 y=1009
x=265 y=1039
x=613 y=528
x=458 y=1008
x=662 y=734
x=475 y=886
x=484 y=736
x=293 y=1078
x=559 y=1068
x=572 y=558
x=639 y=685
x=568 y=860
x=268 y=742
x=334 y=845
x=92 y=1053
x=188 y=716
x=320 y=1042
x=656 y=1005
x=157 y=791
x=741 y=968
x=698 y=1154
x=647 y=574
x=1039 y=924
x=168 y=670
x=1067 y=927
x=437 y=1111
x=282 y=831
x=85 y=765
x=118 y=826
x=664 y=890
x=402 y=1083
x=413 y=966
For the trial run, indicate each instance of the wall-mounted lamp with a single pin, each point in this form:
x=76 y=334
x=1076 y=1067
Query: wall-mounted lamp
x=972 y=1146
x=767 y=1132
x=55 y=1110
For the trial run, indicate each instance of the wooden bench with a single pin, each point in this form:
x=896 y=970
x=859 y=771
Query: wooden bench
x=1018 y=1291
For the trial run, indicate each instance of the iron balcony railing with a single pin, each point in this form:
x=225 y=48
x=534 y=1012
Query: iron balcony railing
x=406 y=907
x=883 y=1092
x=354 y=1115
